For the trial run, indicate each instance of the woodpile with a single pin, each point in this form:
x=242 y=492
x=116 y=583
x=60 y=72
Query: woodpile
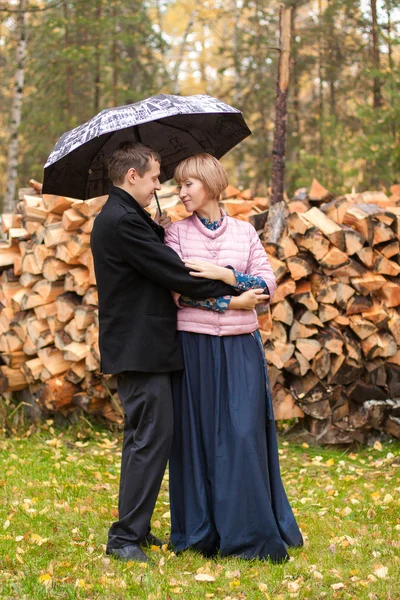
x=332 y=336
x=49 y=315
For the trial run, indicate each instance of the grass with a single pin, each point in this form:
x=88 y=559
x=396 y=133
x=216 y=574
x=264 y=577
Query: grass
x=58 y=495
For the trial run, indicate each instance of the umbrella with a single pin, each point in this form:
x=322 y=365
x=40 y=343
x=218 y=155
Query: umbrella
x=174 y=126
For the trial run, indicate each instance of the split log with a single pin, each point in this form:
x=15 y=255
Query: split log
x=331 y=230
x=53 y=360
x=358 y=304
x=309 y=348
x=72 y=219
x=343 y=294
x=11 y=380
x=389 y=294
x=379 y=344
x=299 y=331
x=283 y=312
x=314 y=242
x=321 y=363
x=286 y=288
x=59 y=204
x=66 y=305
x=284 y=405
x=300 y=266
x=303 y=295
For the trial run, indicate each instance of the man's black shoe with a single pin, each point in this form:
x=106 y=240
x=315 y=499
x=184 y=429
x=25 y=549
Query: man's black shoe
x=152 y=540
x=128 y=553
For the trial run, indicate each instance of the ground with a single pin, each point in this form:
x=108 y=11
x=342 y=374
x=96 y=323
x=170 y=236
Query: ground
x=58 y=495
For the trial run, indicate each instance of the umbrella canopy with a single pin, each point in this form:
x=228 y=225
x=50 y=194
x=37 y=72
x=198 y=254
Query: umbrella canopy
x=174 y=126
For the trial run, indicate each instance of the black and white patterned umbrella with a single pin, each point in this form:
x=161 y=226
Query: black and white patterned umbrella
x=175 y=126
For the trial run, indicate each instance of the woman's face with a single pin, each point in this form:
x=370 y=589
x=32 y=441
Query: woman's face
x=193 y=194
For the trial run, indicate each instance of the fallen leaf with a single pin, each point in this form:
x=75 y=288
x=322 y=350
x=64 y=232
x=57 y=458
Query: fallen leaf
x=293 y=586
x=204 y=577
x=378 y=446
x=337 y=586
x=381 y=572
x=232 y=574
x=45 y=580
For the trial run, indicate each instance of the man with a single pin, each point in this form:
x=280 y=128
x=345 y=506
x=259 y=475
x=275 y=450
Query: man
x=135 y=272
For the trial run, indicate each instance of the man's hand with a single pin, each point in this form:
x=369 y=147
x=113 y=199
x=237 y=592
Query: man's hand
x=248 y=300
x=162 y=219
x=203 y=268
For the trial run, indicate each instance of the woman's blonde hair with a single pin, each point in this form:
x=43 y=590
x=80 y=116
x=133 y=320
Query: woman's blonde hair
x=207 y=169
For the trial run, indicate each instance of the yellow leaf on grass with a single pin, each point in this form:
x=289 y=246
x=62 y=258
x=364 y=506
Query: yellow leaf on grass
x=263 y=587
x=337 y=586
x=55 y=443
x=204 y=577
x=45 y=579
x=234 y=583
x=176 y=590
x=232 y=574
x=345 y=512
x=378 y=446
x=293 y=586
x=381 y=572
x=387 y=499
x=375 y=495
x=330 y=462
x=6 y=524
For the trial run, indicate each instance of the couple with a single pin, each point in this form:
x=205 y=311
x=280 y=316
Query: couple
x=190 y=365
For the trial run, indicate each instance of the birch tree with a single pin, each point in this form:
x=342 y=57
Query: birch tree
x=13 y=148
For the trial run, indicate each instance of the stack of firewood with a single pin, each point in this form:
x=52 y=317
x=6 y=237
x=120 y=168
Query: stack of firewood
x=49 y=315
x=332 y=337
x=333 y=343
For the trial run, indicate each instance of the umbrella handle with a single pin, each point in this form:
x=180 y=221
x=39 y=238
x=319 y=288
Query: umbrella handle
x=157 y=202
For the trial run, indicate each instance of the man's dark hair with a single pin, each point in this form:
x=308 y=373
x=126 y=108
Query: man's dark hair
x=130 y=155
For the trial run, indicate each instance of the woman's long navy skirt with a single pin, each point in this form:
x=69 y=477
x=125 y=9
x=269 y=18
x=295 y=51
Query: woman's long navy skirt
x=225 y=486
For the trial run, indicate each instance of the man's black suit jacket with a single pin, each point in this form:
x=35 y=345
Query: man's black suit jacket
x=135 y=272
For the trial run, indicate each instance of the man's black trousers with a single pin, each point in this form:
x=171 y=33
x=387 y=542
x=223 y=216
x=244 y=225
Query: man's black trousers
x=147 y=402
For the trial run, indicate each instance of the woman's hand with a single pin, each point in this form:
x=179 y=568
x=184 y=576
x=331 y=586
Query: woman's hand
x=202 y=268
x=248 y=300
x=162 y=219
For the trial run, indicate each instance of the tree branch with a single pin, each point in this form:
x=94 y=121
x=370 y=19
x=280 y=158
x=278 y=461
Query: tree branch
x=32 y=9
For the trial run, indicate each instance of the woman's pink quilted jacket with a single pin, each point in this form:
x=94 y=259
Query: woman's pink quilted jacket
x=234 y=243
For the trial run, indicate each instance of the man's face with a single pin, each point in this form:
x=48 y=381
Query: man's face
x=144 y=187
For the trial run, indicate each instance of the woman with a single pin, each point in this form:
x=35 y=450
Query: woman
x=225 y=487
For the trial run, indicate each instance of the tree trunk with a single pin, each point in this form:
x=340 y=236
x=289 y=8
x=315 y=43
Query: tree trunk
x=177 y=66
x=279 y=150
x=115 y=55
x=13 y=148
x=296 y=88
x=97 y=71
x=68 y=69
x=376 y=57
x=390 y=56
x=278 y=212
x=321 y=83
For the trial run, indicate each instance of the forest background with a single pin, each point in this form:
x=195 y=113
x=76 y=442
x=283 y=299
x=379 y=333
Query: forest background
x=86 y=55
